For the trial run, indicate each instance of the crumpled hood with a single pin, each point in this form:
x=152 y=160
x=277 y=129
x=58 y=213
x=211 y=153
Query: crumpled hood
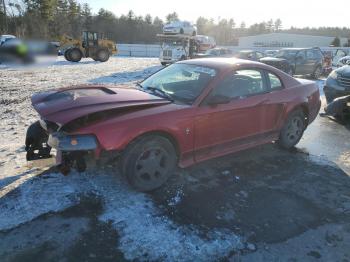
x=64 y=105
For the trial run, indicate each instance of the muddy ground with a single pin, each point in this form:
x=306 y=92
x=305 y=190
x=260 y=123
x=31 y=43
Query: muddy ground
x=263 y=204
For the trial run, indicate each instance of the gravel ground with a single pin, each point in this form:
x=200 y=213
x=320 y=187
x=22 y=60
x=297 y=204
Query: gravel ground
x=263 y=204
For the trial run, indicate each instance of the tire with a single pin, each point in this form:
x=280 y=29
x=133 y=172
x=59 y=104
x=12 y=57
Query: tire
x=75 y=55
x=148 y=162
x=163 y=63
x=66 y=54
x=181 y=31
x=317 y=73
x=182 y=58
x=293 y=129
x=102 y=55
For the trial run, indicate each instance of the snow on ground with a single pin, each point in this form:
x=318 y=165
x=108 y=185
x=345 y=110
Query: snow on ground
x=26 y=193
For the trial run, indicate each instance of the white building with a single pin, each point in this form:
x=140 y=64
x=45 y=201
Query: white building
x=279 y=40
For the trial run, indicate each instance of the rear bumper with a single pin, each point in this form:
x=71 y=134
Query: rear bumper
x=331 y=93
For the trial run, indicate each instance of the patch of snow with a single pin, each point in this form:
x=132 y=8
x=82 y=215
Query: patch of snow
x=176 y=199
x=226 y=172
x=39 y=195
x=146 y=235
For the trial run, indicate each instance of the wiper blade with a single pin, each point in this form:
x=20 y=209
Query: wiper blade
x=160 y=92
x=139 y=85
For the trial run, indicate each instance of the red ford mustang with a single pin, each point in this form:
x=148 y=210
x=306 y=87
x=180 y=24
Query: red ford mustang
x=185 y=113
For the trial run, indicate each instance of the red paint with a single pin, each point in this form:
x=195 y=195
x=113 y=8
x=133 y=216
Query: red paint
x=200 y=132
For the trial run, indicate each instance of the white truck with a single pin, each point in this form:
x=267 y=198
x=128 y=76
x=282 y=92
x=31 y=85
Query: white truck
x=178 y=47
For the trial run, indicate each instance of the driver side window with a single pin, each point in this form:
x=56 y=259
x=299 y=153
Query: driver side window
x=240 y=84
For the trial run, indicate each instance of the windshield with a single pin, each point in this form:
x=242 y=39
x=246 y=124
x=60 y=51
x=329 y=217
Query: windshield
x=173 y=43
x=182 y=82
x=288 y=54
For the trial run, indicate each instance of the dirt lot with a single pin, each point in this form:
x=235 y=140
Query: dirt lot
x=263 y=204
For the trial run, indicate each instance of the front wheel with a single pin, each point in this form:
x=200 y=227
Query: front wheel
x=292 y=130
x=148 y=162
x=75 y=55
x=66 y=54
x=102 y=55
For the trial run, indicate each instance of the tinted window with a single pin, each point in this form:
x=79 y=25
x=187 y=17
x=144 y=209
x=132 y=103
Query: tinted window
x=287 y=54
x=259 y=55
x=317 y=54
x=242 y=83
x=301 y=54
x=310 y=54
x=275 y=82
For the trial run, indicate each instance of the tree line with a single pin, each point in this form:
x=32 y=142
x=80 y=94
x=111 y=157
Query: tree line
x=51 y=19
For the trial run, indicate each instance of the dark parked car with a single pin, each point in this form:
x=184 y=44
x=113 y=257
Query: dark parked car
x=216 y=52
x=186 y=113
x=297 y=61
x=337 y=83
x=250 y=55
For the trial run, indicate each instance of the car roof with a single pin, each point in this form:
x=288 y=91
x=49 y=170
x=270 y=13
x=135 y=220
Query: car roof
x=300 y=48
x=220 y=62
x=246 y=51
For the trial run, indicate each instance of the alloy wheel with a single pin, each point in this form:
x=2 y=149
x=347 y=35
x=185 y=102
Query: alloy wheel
x=151 y=166
x=294 y=129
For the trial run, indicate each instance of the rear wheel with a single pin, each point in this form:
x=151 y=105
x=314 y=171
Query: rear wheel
x=75 y=55
x=292 y=130
x=148 y=162
x=317 y=73
x=102 y=55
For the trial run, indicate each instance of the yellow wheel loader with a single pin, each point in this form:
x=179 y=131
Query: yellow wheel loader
x=91 y=45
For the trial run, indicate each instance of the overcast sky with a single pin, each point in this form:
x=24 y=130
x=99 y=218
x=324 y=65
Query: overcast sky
x=299 y=13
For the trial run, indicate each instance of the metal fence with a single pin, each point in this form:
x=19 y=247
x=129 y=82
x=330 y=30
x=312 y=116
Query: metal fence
x=142 y=50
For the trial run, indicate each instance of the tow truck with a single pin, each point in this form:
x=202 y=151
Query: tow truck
x=176 y=47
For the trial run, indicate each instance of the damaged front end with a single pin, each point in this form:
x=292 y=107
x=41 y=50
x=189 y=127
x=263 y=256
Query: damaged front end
x=339 y=108
x=72 y=150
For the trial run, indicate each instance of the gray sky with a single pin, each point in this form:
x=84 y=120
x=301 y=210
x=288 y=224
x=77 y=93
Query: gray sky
x=299 y=13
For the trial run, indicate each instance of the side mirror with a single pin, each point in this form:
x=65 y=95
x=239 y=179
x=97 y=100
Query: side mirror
x=218 y=99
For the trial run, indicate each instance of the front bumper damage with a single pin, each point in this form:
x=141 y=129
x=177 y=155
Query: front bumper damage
x=72 y=150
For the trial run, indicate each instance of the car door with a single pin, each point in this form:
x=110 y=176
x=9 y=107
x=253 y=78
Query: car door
x=223 y=128
x=300 y=63
x=337 y=56
x=310 y=62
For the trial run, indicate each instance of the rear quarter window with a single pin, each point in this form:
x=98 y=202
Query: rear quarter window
x=275 y=82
